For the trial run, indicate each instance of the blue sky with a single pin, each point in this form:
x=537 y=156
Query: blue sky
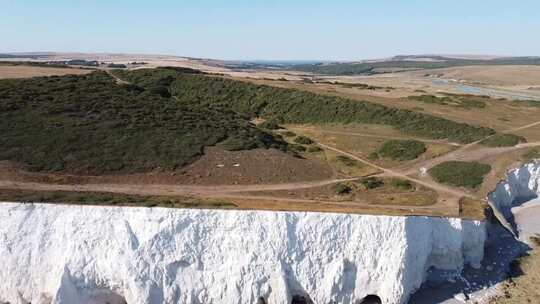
x=241 y=29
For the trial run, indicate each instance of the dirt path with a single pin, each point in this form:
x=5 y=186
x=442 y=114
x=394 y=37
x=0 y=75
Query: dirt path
x=523 y=127
x=178 y=190
x=390 y=172
x=116 y=78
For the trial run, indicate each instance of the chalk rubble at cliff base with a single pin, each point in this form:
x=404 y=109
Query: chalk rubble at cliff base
x=84 y=254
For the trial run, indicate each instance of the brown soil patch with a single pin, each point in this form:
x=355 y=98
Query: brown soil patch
x=259 y=166
x=215 y=167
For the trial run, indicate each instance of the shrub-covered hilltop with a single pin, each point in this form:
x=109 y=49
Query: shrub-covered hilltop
x=89 y=124
x=164 y=118
x=294 y=106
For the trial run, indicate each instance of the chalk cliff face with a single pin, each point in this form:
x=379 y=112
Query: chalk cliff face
x=521 y=184
x=77 y=254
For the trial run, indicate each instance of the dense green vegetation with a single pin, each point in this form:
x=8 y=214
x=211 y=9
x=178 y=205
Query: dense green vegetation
x=401 y=149
x=371 y=182
x=294 y=106
x=303 y=140
x=461 y=101
x=402 y=184
x=347 y=161
x=314 y=149
x=342 y=188
x=88 y=124
x=402 y=63
x=503 y=140
x=270 y=125
x=460 y=173
x=117 y=65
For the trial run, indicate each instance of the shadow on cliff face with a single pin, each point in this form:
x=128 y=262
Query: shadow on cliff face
x=500 y=252
x=297 y=299
x=371 y=299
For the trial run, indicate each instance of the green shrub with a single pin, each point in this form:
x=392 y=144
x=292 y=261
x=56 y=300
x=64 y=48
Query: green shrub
x=372 y=182
x=401 y=149
x=373 y=156
x=342 y=188
x=503 y=140
x=303 y=140
x=460 y=173
x=116 y=66
x=402 y=184
x=161 y=91
x=270 y=125
x=314 y=149
x=297 y=148
x=347 y=161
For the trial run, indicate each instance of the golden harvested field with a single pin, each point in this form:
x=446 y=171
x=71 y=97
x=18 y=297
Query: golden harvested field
x=26 y=71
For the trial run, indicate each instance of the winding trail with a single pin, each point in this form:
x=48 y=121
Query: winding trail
x=118 y=80
x=390 y=172
x=522 y=127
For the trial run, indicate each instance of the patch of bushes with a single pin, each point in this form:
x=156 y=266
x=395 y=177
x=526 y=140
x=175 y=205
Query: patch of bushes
x=314 y=149
x=342 y=188
x=503 y=140
x=460 y=173
x=401 y=150
x=303 y=140
x=297 y=148
x=116 y=66
x=371 y=182
x=456 y=100
x=347 y=161
x=270 y=125
x=402 y=184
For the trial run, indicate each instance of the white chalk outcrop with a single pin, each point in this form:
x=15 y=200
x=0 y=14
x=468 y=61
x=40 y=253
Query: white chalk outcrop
x=521 y=184
x=517 y=198
x=78 y=254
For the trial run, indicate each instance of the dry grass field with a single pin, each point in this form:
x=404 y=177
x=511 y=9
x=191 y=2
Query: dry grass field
x=23 y=71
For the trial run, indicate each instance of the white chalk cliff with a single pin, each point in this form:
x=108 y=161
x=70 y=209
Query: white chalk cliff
x=521 y=184
x=78 y=254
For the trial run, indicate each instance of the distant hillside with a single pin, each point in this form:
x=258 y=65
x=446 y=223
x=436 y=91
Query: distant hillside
x=406 y=63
